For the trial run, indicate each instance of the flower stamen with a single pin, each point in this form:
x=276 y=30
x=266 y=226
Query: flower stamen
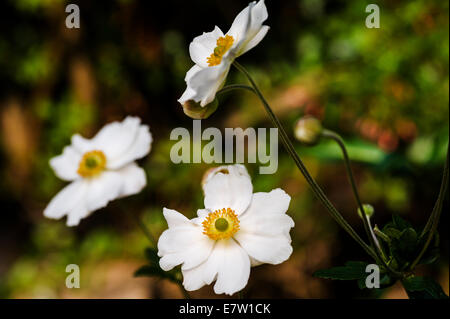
x=223 y=45
x=92 y=163
x=221 y=224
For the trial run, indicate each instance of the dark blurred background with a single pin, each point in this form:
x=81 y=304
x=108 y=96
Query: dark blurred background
x=386 y=91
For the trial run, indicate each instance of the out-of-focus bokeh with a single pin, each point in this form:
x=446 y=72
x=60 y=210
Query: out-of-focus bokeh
x=386 y=91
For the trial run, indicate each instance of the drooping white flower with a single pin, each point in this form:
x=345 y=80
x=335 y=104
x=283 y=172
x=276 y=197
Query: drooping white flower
x=236 y=230
x=100 y=169
x=214 y=52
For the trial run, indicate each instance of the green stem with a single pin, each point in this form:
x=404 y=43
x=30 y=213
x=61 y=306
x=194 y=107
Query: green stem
x=232 y=87
x=366 y=219
x=312 y=183
x=145 y=230
x=433 y=221
x=380 y=234
x=184 y=291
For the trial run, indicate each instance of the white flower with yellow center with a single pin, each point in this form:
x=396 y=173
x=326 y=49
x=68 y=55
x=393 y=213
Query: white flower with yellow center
x=236 y=230
x=214 y=52
x=100 y=169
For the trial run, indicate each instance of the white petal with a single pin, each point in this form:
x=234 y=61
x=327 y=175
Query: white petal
x=264 y=227
x=203 y=46
x=79 y=212
x=189 y=93
x=255 y=40
x=66 y=165
x=138 y=148
x=234 y=267
x=103 y=188
x=123 y=141
x=81 y=144
x=265 y=249
x=201 y=215
x=183 y=243
x=247 y=25
x=228 y=264
x=84 y=196
x=66 y=200
x=175 y=219
x=206 y=82
x=193 y=278
x=228 y=187
x=133 y=179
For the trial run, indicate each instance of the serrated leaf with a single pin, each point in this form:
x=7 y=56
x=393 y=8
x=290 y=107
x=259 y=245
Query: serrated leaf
x=353 y=270
x=423 y=288
x=400 y=223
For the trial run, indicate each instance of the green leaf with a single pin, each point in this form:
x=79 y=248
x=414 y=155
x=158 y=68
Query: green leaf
x=404 y=248
x=423 y=288
x=153 y=269
x=353 y=270
x=385 y=281
x=147 y=271
x=392 y=232
x=400 y=223
x=408 y=241
x=152 y=256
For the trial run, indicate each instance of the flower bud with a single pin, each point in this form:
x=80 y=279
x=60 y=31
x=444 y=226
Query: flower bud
x=308 y=130
x=196 y=111
x=368 y=209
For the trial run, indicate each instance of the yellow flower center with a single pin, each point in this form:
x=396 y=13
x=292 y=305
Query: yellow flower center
x=223 y=45
x=92 y=163
x=221 y=224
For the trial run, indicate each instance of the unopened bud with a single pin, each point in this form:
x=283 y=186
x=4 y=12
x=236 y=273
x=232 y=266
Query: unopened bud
x=308 y=130
x=196 y=111
x=368 y=210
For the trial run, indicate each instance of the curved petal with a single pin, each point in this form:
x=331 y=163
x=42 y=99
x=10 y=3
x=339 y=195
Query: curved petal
x=138 y=148
x=228 y=264
x=183 y=243
x=189 y=93
x=228 y=187
x=81 y=144
x=193 y=278
x=247 y=25
x=201 y=215
x=206 y=82
x=117 y=138
x=133 y=179
x=255 y=40
x=264 y=228
x=203 y=46
x=234 y=267
x=66 y=165
x=66 y=200
x=102 y=189
x=84 y=196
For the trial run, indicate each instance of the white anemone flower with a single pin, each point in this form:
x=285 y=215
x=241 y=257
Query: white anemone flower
x=100 y=169
x=214 y=52
x=237 y=229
